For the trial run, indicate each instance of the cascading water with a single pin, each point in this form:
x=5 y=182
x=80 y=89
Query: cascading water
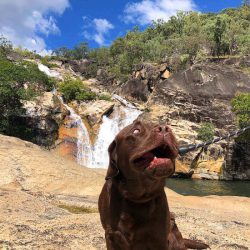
x=96 y=156
x=48 y=72
x=120 y=118
x=84 y=150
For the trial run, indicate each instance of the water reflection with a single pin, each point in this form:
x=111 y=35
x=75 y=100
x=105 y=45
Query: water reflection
x=209 y=187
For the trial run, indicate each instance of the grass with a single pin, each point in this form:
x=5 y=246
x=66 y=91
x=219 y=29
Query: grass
x=78 y=210
x=246 y=70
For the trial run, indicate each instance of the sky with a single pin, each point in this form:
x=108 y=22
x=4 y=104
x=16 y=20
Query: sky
x=44 y=25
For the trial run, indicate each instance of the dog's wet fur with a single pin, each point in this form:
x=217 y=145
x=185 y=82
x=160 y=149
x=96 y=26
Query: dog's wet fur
x=133 y=206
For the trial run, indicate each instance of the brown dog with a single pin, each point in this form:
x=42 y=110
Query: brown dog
x=133 y=206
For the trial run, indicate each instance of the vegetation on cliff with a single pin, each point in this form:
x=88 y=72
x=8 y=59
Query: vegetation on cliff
x=206 y=132
x=241 y=106
x=184 y=39
x=75 y=89
x=19 y=80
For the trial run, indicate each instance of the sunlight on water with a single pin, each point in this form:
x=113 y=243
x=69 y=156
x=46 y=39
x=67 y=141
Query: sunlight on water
x=209 y=187
x=96 y=156
x=121 y=117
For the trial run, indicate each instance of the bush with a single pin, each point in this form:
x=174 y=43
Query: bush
x=24 y=72
x=241 y=106
x=105 y=97
x=74 y=89
x=85 y=96
x=206 y=132
x=46 y=61
x=18 y=81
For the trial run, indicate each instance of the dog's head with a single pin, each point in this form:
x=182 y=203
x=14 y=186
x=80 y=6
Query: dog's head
x=144 y=152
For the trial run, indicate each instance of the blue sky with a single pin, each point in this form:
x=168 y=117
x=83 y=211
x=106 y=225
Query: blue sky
x=44 y=25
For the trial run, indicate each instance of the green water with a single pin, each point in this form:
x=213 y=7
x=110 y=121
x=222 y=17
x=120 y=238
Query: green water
x=209 y=187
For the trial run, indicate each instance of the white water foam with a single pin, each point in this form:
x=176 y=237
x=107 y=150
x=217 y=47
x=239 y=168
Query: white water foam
x=47 y=71
x=120 y=118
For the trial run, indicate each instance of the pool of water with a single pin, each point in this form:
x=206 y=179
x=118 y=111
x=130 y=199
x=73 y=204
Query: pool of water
x=209 y=187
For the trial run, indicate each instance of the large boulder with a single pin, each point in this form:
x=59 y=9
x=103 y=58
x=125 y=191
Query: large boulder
x=78 y=66
x=143 y=80
x=43 y=116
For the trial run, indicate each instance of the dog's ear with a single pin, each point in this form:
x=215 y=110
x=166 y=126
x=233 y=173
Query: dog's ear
x=112 y=169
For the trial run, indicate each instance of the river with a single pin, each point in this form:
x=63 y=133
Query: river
x=209 y=187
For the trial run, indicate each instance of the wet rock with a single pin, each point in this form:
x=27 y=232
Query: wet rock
x=95 y=110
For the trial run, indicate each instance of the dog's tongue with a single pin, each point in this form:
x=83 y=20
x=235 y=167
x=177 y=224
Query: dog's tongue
x=157 y=162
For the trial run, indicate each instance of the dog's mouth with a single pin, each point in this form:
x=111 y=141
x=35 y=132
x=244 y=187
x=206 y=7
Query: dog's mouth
x=157 y=162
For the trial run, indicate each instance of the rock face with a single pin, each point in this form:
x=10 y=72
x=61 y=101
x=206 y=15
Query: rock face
x=199 y=94
x=43 y=117
x=47 y=202
x=95 y=110
x=79 y=66
x=143 y=80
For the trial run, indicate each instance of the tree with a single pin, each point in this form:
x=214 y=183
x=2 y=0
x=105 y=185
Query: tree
x=241 y=106
x=246 y=2
x=80 y=51
x=5 y=46
x=219 y=30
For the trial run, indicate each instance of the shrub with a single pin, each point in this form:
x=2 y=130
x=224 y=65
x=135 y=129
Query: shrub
x=23 y=72
x=105 y=97
x=13 y=77
x=206 y=132
x=46 y=61
x=241 y=106
x=74 y=89
x=85 y=96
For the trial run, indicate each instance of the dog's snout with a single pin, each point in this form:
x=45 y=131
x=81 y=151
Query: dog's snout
x=162 y=129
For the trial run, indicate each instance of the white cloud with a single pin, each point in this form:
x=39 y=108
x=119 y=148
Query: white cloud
x=101 y=28
x=24 y=21
x=146 y=11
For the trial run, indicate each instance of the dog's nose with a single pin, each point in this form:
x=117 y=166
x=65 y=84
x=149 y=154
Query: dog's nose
x=162 y=129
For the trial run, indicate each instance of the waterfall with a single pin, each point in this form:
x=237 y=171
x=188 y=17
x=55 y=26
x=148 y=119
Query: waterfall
x=84 y=149
x=96 y=156
x=48 y=72
x=120 y=118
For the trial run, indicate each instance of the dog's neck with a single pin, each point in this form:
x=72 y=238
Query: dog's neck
x=136 y=190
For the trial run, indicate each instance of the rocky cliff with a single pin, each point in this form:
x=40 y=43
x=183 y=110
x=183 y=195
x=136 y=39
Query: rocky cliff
x=185 y=100
x=201 y=93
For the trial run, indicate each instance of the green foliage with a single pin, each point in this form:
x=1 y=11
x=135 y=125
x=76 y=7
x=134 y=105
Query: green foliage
x=5 y=47
x=206 y=132
x=46 y=61
x=19 y=81
x=75 y=89
x=241 y=106
x=105 y=97
x=181 y=41
x=27 y=53
x=86 y=95
x=80 y=51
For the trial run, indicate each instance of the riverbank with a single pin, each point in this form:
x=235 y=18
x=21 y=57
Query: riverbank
x=47 y=202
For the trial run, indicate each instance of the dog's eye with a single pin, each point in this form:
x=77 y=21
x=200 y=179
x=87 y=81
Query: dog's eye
x=136 y=131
